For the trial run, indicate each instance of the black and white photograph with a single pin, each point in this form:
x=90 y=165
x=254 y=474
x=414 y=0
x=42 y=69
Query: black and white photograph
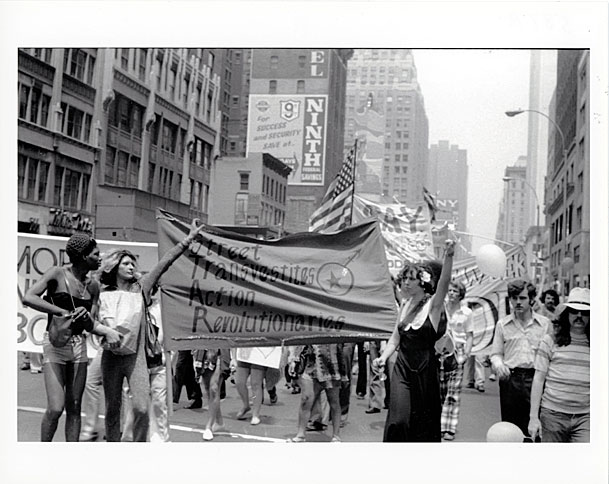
x=373 y=224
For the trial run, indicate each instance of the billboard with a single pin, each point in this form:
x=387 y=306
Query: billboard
x=291 y=128
x=370 y=132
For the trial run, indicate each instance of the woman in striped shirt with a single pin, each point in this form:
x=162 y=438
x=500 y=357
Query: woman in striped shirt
x=560 y=395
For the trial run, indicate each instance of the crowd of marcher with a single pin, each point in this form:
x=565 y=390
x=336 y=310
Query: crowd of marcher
x=540 y=355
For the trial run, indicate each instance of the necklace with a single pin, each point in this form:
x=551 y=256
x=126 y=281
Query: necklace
x=82 y=285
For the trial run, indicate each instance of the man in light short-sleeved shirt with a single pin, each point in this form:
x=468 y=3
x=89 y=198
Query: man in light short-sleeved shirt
x=517 y=337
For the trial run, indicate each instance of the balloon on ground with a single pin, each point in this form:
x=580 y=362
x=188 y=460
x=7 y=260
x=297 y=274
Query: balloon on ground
x=504 y=432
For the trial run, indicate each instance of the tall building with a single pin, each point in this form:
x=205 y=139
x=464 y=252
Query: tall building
x=107 y=135
x=160 y=132
x=513 y=217
x=568 y=174
x=59 y=127
x=542 y=79
x=295 y=112
x=386 y=80
x=447 y=176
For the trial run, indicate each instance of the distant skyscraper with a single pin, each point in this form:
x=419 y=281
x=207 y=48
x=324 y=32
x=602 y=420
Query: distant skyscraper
x=513 y=217
x=385 y=81
x=542 y=80
x=447 y=179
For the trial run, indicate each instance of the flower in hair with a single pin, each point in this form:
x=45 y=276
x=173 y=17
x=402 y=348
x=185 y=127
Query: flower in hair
x=425 y=276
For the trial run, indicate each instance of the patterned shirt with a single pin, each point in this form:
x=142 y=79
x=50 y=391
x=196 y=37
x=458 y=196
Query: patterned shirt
x=517 y=344
x=567 y=385
x=460 y=323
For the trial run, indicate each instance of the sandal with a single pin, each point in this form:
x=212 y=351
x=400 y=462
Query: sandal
x=296 y=440
x=316 y=427
x=241 y=414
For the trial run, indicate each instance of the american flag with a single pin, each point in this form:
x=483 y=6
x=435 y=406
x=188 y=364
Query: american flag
x=335 y=211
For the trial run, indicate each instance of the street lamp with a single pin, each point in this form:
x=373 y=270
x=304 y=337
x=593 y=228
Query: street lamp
x=511 y=178
x=516 y=112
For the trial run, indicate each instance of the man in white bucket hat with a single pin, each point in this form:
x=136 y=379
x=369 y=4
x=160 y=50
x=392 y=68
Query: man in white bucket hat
x=560 y=395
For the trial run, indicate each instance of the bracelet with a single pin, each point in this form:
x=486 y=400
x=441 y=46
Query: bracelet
x=185 y=243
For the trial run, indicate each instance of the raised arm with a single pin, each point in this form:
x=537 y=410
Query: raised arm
x=149 y=280
x=437 y=301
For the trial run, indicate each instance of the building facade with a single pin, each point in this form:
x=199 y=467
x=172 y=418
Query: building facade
x=295 y=112
x=386 y=80
x=161 y=130
x=513 y=216
x=249 y=192
x=58 y=139
x=108 y=135
x=568 y=176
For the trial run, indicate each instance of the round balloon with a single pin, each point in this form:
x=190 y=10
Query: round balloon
x=504 y=432
x=491 y=260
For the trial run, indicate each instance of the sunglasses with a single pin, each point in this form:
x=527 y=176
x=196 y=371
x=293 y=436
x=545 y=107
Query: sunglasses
x=579 y=311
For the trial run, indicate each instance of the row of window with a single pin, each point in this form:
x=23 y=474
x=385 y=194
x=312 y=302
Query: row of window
x=300 y=86
x=381 y=80
x=34 y=105
x=80 y=64
x=199 y=195
x=273 y=189
x=397 y=146
x=121 y=169
x=76 y=123
x=42 y=54
x=70 y=188
x=126 y=115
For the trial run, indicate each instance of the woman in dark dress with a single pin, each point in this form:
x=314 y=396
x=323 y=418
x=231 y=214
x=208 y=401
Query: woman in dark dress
x=414 y=405
x=69 y=290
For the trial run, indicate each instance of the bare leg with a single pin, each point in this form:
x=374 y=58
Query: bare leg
x=54 y=381
x=256 y=378
x=76 y=377
x=241 y=383
x=335 y=410
x=308 y=395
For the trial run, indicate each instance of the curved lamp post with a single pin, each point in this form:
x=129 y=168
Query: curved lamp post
x=516 y=112
x=511 y=178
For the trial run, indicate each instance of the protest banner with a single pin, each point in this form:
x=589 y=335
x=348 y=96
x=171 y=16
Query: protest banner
x=229 y=290
x=487 y=296
x=406 y=231
x=37 y=254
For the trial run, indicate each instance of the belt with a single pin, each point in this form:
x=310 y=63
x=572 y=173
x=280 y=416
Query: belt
x=522 y=371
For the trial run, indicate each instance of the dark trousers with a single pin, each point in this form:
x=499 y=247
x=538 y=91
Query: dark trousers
x=345 y=391
x=185 y=376
x=515 y=397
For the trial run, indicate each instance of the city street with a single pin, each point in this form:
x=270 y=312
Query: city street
x=278 y=422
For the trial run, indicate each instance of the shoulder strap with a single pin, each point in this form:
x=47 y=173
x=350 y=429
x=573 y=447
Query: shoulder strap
x=63 y=271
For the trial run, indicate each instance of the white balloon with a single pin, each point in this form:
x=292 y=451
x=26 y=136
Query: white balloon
x=504 y=432
x=491 y=260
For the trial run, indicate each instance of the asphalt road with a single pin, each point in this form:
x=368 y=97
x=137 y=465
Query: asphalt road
x=278 y=422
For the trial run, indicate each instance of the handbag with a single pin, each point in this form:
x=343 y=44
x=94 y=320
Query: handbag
x=60 y=327
x=301 y=362
x=152 y=346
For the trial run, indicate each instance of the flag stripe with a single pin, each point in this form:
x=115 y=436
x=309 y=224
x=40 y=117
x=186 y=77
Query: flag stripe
x=334 y=212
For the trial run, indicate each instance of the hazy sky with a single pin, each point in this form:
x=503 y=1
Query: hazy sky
x=466 y=95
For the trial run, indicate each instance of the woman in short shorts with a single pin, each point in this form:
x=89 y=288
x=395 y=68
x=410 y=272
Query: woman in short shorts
x=69 y=290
